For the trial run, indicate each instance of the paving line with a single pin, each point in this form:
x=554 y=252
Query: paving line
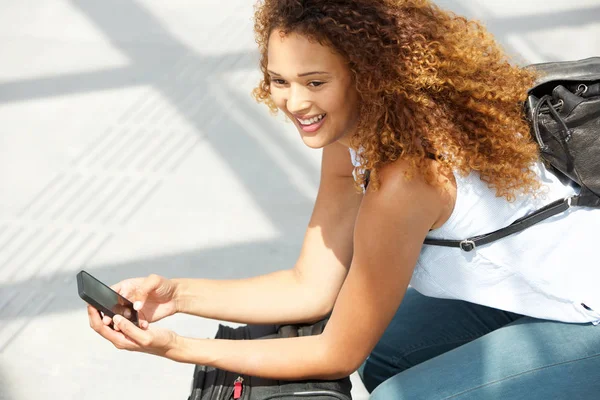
x=113 y=149
x=19 y=251
x=50 y=205
x=48 y=260
x=191 y=101
x=113 y=213
x=41 y=193
x=112 y=201
x=70 y=201
x=157 y=145
x=105 y=199
x=173 y=114
x=184 y=156
x=86 y=198
x=128 y=156
x=153 y=94
x=200 y=112
x=3 y=228
x=151 y=137
x=8 y=295
x=52 y=185
x=169 y=150
x=142 y=115
x=186 y=71
x=43 y=207
x=93 y=145
x=116 y=154
x=100 y=150
x=22 y=272
x=134 y=108
x=13 y=328
x=101 y=243
x=179 y=95
x=11 y=239
x=139 y=204
x=16 y=307
x=78 y=247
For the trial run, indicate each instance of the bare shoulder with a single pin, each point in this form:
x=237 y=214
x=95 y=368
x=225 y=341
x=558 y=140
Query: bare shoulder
x=398 y=193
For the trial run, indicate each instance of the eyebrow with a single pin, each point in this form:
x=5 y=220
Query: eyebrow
x=304 y=73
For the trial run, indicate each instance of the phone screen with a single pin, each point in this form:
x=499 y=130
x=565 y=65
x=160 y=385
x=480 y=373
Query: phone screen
x=108 y=301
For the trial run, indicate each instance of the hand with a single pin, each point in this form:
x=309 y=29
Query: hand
x=127 y=336
x=153 y=297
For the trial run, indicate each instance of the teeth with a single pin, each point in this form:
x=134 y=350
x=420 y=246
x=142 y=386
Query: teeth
x=311 y=120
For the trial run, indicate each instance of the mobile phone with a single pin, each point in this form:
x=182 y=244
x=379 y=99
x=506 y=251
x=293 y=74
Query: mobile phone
x=103 y=298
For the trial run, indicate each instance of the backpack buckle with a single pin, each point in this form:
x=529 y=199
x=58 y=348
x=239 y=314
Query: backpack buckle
x=467 y=245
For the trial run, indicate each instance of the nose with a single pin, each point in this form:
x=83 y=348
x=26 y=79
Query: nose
x=298 y=102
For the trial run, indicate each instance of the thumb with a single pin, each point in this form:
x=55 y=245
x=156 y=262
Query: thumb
x=149 y=285
x=129 y=329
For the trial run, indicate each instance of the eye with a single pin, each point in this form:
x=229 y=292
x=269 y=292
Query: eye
x=316 y=83
x=278 y=81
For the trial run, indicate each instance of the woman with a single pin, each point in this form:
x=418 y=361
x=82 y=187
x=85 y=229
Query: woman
x=428 y=103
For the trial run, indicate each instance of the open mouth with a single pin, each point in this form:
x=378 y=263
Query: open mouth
x=311 y=124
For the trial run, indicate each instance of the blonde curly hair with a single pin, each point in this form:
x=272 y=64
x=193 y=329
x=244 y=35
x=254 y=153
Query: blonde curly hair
x=431 y=85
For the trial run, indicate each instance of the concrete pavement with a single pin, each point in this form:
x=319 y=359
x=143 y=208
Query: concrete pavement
x=129 y=145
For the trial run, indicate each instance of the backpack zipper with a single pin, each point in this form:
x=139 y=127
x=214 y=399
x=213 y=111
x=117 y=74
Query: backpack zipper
x=237 y=388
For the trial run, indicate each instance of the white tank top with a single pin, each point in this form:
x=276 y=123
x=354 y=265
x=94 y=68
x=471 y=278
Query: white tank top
x=550 y=270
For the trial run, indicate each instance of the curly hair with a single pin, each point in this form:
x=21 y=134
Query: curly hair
x=431 y=84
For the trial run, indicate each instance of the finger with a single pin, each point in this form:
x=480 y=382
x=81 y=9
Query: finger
x=106 y=320
x=117 y=338
x=94 y=317
x=124 y=310
x=142 y=320
x=134 y=333
x=149 y=285
x=117 y=287
x=125 y=289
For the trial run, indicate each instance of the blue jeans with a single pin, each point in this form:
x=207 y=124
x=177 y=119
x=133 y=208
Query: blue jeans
x=450 y=349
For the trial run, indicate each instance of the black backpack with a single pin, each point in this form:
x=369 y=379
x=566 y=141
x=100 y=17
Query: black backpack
x=211 y=383
x=564 y=110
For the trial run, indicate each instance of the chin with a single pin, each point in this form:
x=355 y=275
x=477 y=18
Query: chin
x=315 y=141
x=313 y=144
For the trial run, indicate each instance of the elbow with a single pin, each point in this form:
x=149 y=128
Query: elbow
x=339 y=363
x=340 y=368
x=342 y=373
x=324 y=309
x=347 y=368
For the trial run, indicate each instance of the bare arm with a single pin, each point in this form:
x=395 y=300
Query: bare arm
x=306 y=292
x=390 y=229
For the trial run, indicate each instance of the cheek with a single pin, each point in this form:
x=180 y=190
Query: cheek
x=278 y=99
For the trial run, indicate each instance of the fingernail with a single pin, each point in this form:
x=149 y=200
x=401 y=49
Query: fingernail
x=145 y=324
x=127 y=313
x=137 y=305
x=117 y=318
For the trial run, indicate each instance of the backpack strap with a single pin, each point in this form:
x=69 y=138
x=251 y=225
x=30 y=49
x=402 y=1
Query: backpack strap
x=520 y=224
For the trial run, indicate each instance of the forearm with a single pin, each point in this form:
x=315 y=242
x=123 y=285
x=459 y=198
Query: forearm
x=286 y=359
x=278 y=297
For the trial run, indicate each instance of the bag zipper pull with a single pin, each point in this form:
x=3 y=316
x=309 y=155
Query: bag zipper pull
x=237 y=388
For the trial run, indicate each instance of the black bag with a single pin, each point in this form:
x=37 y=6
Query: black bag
x=216 y=384
x=564 y=110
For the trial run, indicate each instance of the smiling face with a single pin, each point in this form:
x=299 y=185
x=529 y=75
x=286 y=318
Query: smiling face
x=313 y=86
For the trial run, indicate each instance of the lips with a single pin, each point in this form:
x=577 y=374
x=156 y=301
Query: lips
x=306 y=121
x=314 y=123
